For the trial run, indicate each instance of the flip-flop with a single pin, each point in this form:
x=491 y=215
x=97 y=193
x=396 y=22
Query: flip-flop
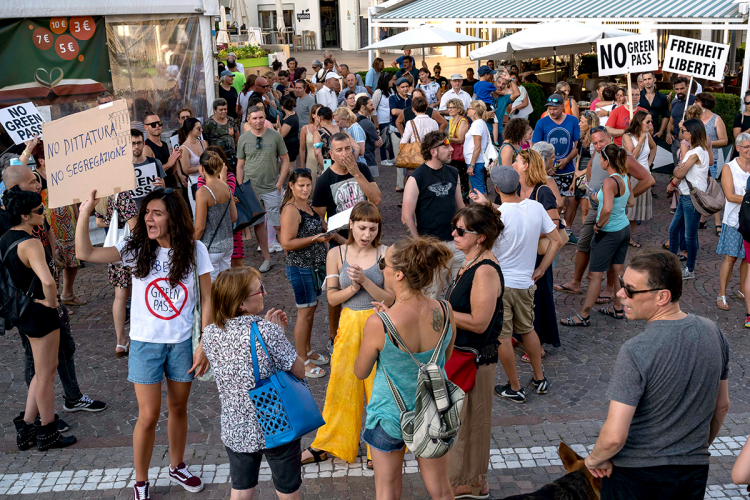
x=602 y=299
x=122 y=354
x=721 y=302
x=317 y=457
x=740 y=295
x=369 y=464
x=634 y=244
x=566 y=289
x=73 y=301
x=525 y=357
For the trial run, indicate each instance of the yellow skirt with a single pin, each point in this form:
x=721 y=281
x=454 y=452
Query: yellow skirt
x=344 y=398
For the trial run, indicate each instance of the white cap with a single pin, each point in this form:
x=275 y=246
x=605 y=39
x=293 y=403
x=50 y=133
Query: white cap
x=332 y=74
x=456 y=76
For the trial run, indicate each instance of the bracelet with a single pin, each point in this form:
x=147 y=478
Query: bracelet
x=25 y=153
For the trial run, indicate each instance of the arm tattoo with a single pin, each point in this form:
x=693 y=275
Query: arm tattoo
x=437 y=320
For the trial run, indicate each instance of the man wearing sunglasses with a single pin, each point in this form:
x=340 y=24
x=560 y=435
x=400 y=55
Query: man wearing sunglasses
x=155 y=148
x=655 y=103
x=668 y=392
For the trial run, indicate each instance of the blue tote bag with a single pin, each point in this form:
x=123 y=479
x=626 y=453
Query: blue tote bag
x=283 y=403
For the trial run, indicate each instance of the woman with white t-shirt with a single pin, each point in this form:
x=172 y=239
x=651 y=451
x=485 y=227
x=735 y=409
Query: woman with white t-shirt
x=163 y=258
x=475 y=142
x=694 y=168
x=638 y=141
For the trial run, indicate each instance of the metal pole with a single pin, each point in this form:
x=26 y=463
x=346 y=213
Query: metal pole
x=369 y=37
x=745 y=73
x=555 y=51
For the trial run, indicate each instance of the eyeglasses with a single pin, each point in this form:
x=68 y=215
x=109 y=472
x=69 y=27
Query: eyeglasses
x=300 y=171
x=38 y=210
x=258 y=142
x=184 y=117
x=382 y=265
x=262 y=290
x=461 y=231
x=154 y=124
x=630 y=292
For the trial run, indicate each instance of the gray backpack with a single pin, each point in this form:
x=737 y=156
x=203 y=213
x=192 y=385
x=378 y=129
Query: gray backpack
x=431 y=429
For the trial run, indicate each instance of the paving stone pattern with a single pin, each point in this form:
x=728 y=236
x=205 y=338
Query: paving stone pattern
x=579 y=372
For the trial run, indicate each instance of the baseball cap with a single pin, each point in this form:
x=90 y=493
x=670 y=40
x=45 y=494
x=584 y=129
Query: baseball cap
x=505 y=179
x=485 y=70
x=226 y=72
x=555 y=100
x=401 y=80
x=332 y=74
x=456 y=76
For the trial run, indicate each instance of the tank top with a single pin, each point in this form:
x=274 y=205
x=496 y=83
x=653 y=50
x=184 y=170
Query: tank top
x=712 y=134
x=618 y=219
x=515 y=151
x=739 y=179
x=459 y=297
x=312 y=255
x=22 y=276
x=361 y=300
x=645 y=151
x=195 y=161
x=310 y=161
x=403 y=372
x=458 y=149
x=218 y=221
x=161 y=153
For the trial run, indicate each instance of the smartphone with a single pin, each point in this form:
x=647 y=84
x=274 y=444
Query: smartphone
x=327 y=164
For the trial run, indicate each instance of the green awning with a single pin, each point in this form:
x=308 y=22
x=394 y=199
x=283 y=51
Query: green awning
x=536 y=10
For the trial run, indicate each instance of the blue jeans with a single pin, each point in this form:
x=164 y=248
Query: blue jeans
x=686 y=219
x=477 y=180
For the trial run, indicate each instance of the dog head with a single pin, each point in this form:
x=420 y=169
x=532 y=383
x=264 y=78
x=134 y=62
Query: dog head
x=573 y=462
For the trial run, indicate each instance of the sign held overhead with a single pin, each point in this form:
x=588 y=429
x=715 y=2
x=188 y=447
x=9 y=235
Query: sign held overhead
x=627 y=54
x=22 y=122
x=86 y=151
x=696 y=58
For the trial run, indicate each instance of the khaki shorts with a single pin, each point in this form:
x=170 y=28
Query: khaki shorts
x=518 y=311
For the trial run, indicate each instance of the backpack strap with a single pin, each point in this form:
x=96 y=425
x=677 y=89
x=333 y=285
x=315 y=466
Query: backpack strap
x=12 y=246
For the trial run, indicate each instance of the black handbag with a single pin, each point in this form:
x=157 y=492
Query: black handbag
x=249 y=207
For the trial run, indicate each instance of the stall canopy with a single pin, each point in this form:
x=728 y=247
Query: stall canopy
x=27 y=8
x=424 y=36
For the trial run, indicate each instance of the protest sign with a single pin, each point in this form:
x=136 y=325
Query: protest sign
x=22 y=122
x=86 y=151
x=145 y=176
x=696 y=58
x=627 y=54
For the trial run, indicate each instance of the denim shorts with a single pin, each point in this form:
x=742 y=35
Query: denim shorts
x=382 y=441
x=148 y=362
x=301 y=278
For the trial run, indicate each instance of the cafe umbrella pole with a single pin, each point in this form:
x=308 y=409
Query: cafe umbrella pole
x=687 y=99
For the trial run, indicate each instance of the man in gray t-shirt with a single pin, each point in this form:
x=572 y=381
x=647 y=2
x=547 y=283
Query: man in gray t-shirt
x=668 y=393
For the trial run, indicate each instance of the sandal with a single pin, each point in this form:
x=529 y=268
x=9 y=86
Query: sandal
x=369 y=464
x=682 y=257
x=316 y=458
x=603 y=299
x=718 y=231
x=475 y=492
x=570 y=321
x=665 y=245
x=73 y=301
x=525 y=357
x=702 y=225
x=122 y=354
x=634 y=244
x=320 y=361
x=567 y=289
x=740 y=295
x=721 y=302
x=611 y=311
x=316 y=372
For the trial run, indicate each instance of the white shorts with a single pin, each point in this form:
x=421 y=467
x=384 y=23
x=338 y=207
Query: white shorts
x=272 y=203
x=221 y=262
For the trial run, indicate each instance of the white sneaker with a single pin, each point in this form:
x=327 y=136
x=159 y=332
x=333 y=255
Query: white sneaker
x=275 y=247
x=387 y=163
x=688 y=275
x=265 y=267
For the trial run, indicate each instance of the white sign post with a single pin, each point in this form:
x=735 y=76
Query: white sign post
x=697 y=58
x=22 y=122
x=626 y=55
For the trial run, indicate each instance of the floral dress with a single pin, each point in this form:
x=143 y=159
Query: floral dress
x=63 y=223
x=117 y=274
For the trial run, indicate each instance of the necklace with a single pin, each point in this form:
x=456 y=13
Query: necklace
x=460 y=273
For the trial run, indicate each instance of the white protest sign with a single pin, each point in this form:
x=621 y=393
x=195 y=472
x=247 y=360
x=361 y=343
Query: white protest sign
x=145 y=175
x=22 y=122
x=695 y=58
x=86 y=151
x=627 y=54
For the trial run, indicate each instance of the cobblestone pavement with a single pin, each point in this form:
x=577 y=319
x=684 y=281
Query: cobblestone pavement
x=100 y=465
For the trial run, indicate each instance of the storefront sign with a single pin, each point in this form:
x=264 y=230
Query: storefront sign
x=627 y=54
x=22 y=122
x=53 y=60
x=305 y=14
x=86 y=151
x=695 y=58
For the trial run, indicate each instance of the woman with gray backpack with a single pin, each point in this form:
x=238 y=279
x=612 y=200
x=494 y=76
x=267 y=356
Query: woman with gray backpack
x=413 y=403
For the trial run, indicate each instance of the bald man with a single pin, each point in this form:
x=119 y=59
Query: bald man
x=75 y=400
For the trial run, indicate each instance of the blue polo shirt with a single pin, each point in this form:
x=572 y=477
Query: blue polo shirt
x=396 y=102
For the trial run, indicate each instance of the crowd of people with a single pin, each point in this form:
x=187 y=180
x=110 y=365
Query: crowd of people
x=472 y=276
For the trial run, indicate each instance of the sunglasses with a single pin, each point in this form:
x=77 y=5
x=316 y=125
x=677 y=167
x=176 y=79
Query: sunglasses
x=630 y=292
x=258 y=142
x=555 y=100
x=599 y=128
x=300 y=171
x=154 y=124
x=747 y=103
x=382 y=265
x=447 y=141
x=264 y=86
x=38 y=210
x=461 y=231
x=262 y=290
x=183 y=118
x=166 y=190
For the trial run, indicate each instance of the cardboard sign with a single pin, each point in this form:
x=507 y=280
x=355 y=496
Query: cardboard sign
x=22 y=122
x=86 y=151
x=145 y=175
x=627 y=54
x=696 y=58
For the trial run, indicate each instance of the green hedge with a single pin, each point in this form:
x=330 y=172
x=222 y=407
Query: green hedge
x=538 y=99
x=392 y=71
x=727 y=107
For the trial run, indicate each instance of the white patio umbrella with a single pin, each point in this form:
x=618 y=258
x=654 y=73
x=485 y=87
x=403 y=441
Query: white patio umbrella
x=222 y=37
x=563 y=37
x=424 y=36
x=280 y=16
x=239 y=13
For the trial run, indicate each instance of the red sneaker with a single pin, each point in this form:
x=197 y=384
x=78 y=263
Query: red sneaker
x=182 y=476
x=140 y=491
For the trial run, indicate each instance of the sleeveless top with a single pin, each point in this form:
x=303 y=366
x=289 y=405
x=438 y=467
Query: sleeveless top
x=739 y=179
x=712 y=134
x=360 y=301
x=458 y=149
x=403 y=372
x=220 y=223
x=645 y=151
x=618 y=219
x=325 y=137
x=195 y=161
x=161 y=153
x=312 y=255
x=515 y=151
x=459 y=296
x=310 y=161
x=22 y=275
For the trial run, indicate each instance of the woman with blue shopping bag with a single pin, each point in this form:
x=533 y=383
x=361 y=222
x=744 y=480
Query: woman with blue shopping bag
x=266 y=407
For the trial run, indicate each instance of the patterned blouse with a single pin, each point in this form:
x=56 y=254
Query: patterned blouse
x=314 y=254
x=229 y=352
